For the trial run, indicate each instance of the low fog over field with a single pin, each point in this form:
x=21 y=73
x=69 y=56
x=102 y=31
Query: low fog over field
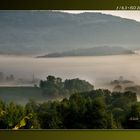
x=97 y=69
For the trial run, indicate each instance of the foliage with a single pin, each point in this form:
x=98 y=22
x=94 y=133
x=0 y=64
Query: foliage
x=55 y=87
x=85 y=108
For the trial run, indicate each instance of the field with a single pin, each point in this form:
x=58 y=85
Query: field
x=20 y=94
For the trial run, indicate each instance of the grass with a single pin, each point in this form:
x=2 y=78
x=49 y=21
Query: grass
x=20 y=94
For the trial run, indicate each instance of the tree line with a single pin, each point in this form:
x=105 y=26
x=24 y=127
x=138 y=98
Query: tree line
x=54 y=87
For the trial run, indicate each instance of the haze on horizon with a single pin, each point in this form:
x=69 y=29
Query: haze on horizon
x=135 y=14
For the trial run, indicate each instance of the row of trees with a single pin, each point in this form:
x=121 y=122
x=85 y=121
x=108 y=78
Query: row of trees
x=96 y=109
x=54 y=87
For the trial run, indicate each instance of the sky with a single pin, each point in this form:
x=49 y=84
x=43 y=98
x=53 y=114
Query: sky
x=135 y=15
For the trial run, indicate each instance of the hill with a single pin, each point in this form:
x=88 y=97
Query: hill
x=96 y=51
x=36 y=32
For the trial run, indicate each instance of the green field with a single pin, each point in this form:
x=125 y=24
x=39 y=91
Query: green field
x=20 y=94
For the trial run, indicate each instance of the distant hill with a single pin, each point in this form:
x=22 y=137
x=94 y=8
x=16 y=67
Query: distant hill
x=96 y=51
x=36 y=32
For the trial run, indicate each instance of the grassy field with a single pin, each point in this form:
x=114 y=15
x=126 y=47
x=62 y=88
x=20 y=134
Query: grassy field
x=20 y=94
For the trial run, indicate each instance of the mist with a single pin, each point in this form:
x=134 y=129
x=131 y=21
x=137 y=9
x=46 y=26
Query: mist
x=98 y=70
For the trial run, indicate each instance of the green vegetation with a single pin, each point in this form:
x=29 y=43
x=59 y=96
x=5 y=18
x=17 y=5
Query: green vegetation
x=51 y=88
x=20 y=95
x=54 y=87
x=84 y=108
x=25 y=91
x=96 y=109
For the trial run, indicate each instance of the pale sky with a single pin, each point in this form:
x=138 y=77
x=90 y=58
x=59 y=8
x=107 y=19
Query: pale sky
x=135 y=15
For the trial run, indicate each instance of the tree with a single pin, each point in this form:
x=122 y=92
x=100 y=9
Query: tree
x=13 y=114
x=49 y=117
x=117 y=88
x=131 y=96
x=96 y=115
x=111 y=124
x=32 y=108
x=77 y=85
x=118 y=114
x=135 y=111
x=132 y=120
x=51 y=78
x=54 y=87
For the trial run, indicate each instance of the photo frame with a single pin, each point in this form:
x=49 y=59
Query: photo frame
x=120 y=134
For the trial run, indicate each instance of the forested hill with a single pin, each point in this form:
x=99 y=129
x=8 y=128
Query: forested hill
x=35 y=32
x=96 y=51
